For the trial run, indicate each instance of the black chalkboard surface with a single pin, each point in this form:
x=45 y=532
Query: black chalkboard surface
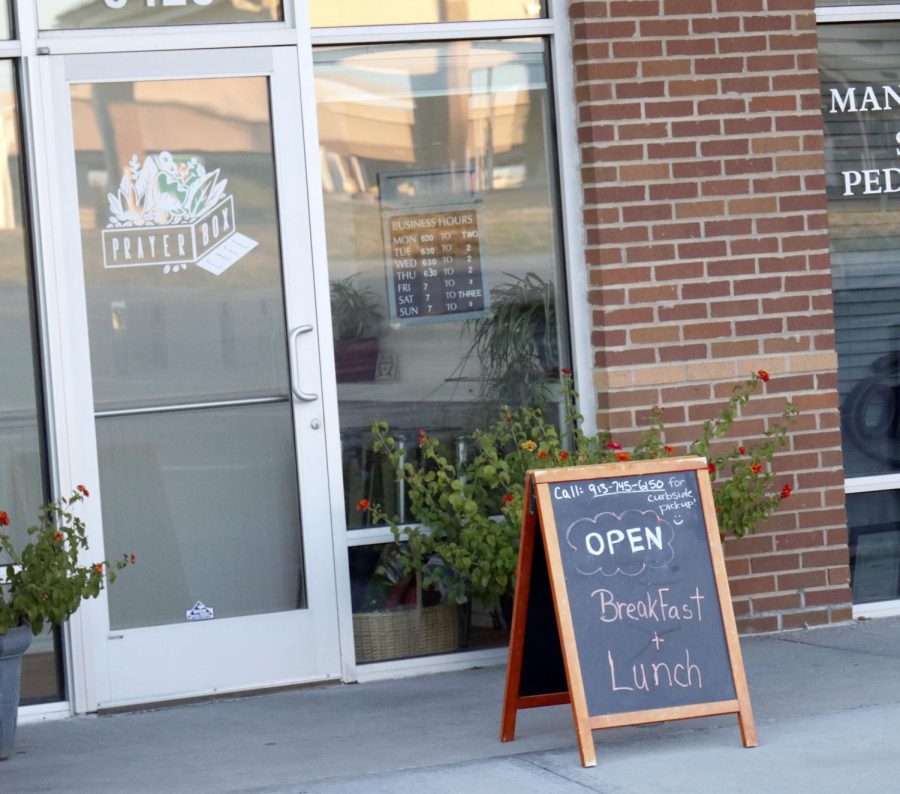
x=630 y=557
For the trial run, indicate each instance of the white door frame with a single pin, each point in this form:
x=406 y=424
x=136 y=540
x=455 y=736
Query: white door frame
x=71 y=385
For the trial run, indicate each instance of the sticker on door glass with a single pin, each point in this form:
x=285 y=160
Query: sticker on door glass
x=200 y=612
x=171 y=212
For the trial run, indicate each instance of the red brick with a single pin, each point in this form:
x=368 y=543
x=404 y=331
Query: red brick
x=801 y=620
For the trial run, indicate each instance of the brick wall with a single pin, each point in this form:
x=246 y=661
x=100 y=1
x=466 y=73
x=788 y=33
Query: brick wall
x=707 y=247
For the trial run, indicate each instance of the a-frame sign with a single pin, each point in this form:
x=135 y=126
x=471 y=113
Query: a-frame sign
x=622 y=605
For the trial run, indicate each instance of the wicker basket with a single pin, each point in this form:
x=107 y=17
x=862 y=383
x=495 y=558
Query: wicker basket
x=415 y=631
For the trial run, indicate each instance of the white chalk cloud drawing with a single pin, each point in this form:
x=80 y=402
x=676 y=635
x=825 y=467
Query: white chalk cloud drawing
x=626 y=543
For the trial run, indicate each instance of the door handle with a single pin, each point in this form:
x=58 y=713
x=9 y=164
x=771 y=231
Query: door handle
x=295 y=363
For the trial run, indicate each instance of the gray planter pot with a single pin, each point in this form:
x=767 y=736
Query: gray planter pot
x=13 y=645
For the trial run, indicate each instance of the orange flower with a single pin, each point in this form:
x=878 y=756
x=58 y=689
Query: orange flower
x=669 y=448
x=99 y=567
x=763 y=375
x=542 y=454
x=58 y=537
x=563 y=455
x=756 y=468
x=4 y=518
x=82 y=490
x=623 y=456
x=362 y=504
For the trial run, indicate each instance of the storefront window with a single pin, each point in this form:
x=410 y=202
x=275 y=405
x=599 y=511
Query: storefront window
x=860 y=64
x=874 y=522
x=21 y=465
x=5 y=26
x=446 y=278
x=80 y=14
x=337 y=13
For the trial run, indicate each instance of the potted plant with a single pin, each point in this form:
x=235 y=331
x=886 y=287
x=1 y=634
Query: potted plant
x=43 y=583
x=356 y=317
x=516 y=343
x=470 y=513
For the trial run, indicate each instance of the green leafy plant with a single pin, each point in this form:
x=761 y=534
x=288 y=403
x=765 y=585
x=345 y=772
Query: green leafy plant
x=355 y=311
x=43 y=581
x=471 y=511
x=516 y=342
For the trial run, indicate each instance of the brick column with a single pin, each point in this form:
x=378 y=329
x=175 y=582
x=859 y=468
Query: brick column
x=706 y=240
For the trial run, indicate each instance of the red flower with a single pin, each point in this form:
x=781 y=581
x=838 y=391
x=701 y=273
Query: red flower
x=712 y=468
x=669 y=448
x=742 y=450
x=786 y=492
x=4 y=518
x=565 y=371
x=362 y=504
x=99 y=567
x=508 y=498
x=613 y=445
x=422 y=435
x=623 y=456
x=756 y=468
x=563 y=455
x=763 y=375
x=542 y=454
x=82 y=490
x=58 y=537
x=133 y=558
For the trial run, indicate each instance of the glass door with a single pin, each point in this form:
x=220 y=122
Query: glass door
x=188 y=271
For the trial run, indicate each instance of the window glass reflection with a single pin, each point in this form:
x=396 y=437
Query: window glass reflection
x=80 y=14
x=21 y=479
x=857 y=62
x=337 y=13
x=185 y=311
x=5 y=22
x=446 y=285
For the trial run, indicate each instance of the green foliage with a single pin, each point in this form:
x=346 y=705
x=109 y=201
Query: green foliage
x=471 y=512
x=355 y=311
x=43 y=582
x=516 y=343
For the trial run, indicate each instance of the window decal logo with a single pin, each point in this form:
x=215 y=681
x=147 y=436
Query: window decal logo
x=171 y=212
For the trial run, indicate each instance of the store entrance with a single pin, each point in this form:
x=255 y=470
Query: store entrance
x=188 y=284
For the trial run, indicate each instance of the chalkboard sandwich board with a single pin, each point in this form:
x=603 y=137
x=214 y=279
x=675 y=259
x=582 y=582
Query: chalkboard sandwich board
x=622 y=605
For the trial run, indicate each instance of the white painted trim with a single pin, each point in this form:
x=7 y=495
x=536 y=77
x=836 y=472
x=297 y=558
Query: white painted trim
x=44 y=712
x=877 y=609
x=329 y=399
x=156 y=39
x=69 y=382
x=858 y=13
x=572 y=212
x=440 y=31
x=424 y=665
x=877 y=482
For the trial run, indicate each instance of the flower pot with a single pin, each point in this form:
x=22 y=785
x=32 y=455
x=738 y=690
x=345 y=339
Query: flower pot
x=355 y=359
x=13 y=645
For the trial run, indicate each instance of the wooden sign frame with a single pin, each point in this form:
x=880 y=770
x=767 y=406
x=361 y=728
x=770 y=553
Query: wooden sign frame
x=540 y=541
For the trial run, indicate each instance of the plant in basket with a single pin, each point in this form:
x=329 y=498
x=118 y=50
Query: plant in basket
x=469 y=512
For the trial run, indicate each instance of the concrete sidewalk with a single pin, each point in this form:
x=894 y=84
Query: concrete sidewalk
x=826 y=702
